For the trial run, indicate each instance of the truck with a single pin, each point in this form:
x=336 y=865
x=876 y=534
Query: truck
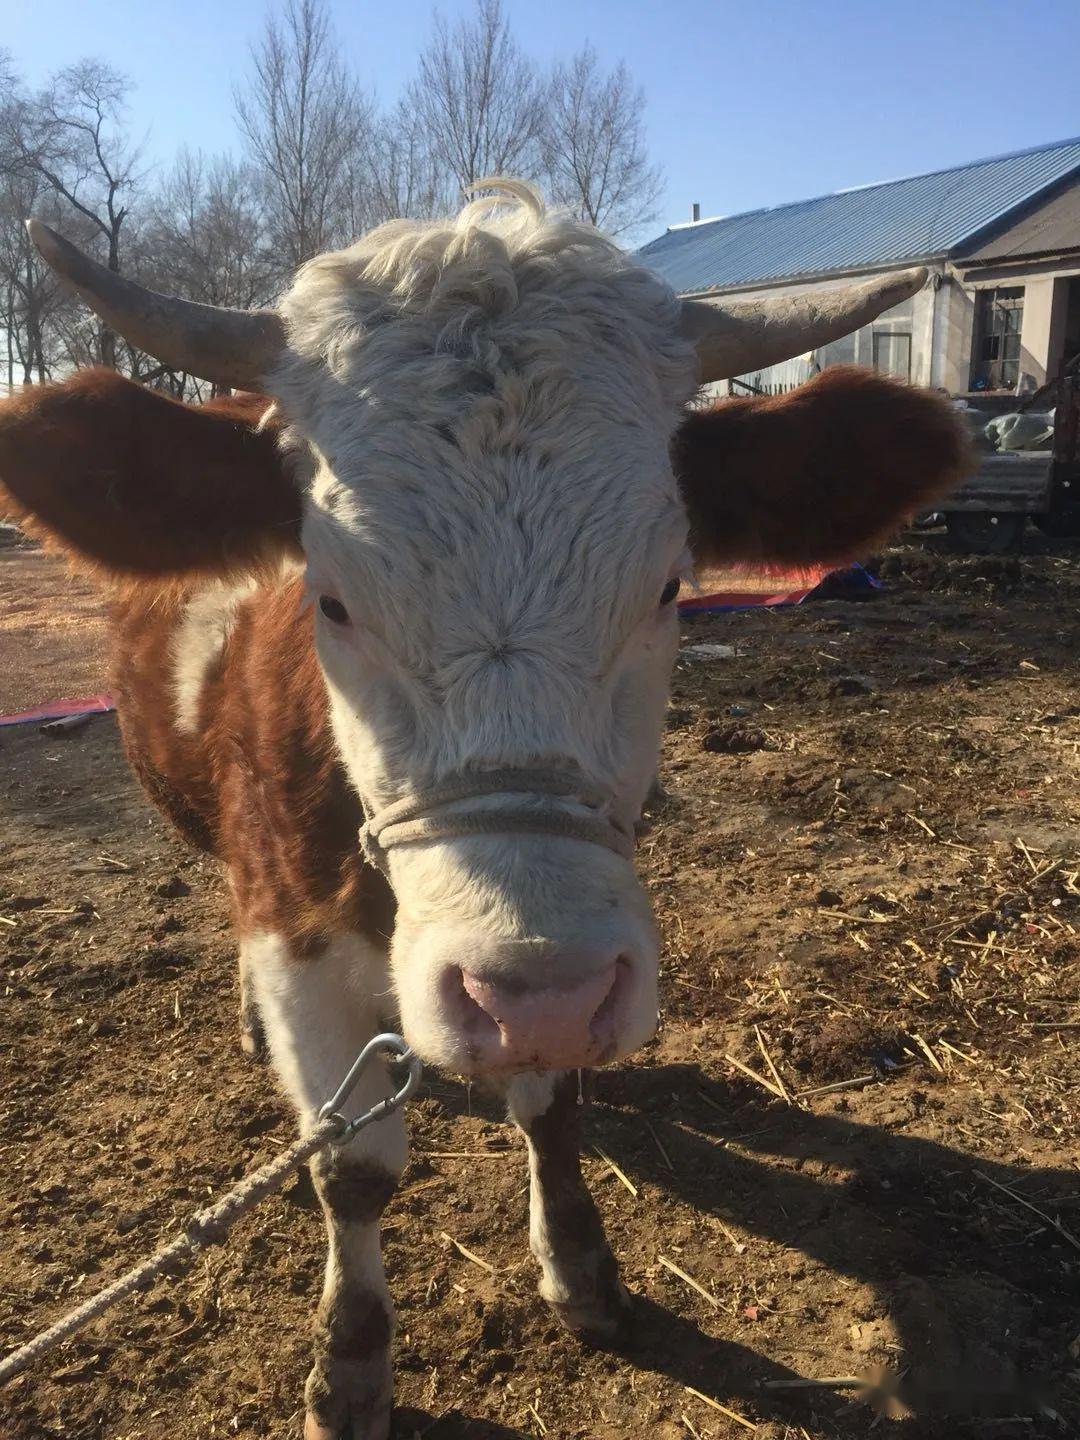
x=988 y=511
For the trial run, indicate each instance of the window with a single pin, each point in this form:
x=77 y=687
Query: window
x=892 y=353
x=837 y=352
x=999 y=318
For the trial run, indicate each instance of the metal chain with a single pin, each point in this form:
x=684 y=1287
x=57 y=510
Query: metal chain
x=210 y=1226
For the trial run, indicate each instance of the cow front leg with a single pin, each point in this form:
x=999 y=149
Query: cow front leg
x=579 y=1276
x=318 y=1014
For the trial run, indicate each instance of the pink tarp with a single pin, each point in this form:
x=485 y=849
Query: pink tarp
x=778 y=588
x=738 y=588
x=736 y=599
x=57 y=709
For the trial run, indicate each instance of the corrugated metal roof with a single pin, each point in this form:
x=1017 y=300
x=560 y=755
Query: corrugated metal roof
x=910 y=219
x=1050 y=224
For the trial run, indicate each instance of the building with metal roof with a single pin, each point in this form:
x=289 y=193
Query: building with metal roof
x=1000 y=236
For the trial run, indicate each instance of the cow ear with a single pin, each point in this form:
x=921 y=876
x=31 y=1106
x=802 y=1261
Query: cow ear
x=816 y=476
x=135 y=483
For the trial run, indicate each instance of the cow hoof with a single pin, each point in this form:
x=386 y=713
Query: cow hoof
x=599 y=1320
x=366 y=1429
x=345 y=1402
x=252 y=1037
x=252 y=1044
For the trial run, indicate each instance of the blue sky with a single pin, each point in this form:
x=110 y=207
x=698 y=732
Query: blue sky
x=751 y=103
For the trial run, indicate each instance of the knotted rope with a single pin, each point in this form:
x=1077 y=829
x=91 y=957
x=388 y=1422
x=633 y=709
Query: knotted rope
x=210 y=1226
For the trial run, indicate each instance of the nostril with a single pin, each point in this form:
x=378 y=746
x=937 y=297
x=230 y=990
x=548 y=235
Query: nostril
x=465 y=1009
x=602 y=1024
x=482 y=993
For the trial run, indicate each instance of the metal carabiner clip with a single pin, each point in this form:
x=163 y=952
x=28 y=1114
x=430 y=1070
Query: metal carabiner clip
x=377 y=1044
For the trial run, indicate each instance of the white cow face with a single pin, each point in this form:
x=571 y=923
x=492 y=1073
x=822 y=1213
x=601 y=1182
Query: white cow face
x=494 y=540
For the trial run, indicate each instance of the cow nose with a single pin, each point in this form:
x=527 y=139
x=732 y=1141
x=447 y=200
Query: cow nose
x=547 y=1028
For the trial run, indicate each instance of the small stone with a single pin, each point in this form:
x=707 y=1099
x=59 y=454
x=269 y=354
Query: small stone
x=829 y=897
x=172 y=888
x=162 y=959
x=852 y=685
x=733 y=740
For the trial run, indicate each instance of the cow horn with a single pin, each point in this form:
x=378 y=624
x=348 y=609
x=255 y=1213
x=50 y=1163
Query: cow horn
x=736 y=337
x=237 y=348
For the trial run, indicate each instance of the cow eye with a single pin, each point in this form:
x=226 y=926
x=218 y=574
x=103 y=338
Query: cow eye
x=333 y=610
x=670 y=590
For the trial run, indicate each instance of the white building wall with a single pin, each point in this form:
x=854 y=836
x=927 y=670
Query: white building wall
x=955 y=333
x=1037 y=326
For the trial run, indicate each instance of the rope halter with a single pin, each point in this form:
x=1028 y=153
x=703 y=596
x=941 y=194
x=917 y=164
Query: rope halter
x=410 y=821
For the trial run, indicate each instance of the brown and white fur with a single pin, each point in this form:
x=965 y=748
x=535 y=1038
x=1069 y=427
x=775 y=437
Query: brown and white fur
x=445 y=544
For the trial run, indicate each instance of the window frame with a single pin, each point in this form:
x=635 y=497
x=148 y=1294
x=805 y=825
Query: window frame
x=995 y=307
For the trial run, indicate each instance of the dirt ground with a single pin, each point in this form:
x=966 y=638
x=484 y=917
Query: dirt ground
x=52 y=649
x=866 y=869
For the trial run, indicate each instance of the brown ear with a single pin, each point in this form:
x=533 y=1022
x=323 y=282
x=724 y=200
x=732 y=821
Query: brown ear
x=818 y=475
x=138 y=484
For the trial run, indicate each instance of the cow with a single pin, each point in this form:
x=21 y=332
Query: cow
x=392 y=632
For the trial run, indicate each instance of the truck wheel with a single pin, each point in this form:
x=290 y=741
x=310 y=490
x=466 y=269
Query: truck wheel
x=985 y=532
x=1060 y=524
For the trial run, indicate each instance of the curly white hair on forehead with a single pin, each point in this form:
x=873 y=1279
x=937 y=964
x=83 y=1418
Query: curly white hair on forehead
x=505 y=257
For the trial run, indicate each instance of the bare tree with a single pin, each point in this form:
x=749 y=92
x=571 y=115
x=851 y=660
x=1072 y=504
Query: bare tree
x=30 y=297
x=20 y=322
x=478 y=99
x=45 y=327
x=27 y=290
x=205 y=238
x=594 y=154
x=405 y=175
x=305 y=121
x=205 y=235
x=71 y=137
